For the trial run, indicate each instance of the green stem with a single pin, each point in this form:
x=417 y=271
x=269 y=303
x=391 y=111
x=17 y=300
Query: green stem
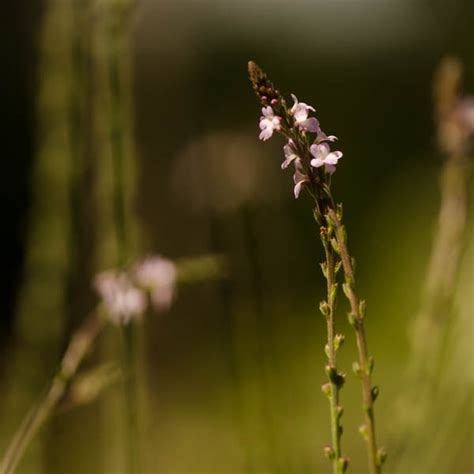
x=116 y=38
x=336 y=428
x=34 y=420
x=365 y=361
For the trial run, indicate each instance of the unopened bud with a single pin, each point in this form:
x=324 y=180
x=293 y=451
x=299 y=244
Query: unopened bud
x=364 y=431
x=326 y=389
x=381 y=456
x=329 y=452
x=339 y=341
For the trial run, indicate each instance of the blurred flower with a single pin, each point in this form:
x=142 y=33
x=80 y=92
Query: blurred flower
x=465 y=112
x=123 y=300
x=268 y=123
x=323 y=156
x=300 y=112
x=299 y=178
x=158 y=276
x=290 y=155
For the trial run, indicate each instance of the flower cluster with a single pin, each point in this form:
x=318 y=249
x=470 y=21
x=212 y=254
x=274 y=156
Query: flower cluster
x=124 y=293
x=311 y=156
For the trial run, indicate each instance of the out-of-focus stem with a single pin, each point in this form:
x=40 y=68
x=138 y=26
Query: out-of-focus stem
x=117 y=35
x=75 y=352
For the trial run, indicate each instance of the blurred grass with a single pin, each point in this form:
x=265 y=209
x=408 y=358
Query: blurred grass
x=234 y=370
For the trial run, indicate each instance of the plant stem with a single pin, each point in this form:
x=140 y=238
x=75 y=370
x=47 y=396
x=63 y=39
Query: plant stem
x=365 y=361
x=117 y=34
x=336 y=429
x=75 y=352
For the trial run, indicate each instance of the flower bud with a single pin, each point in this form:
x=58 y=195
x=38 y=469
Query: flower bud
x=324 y=308
x=364 y=431
x=339 y=341
x=329 y=452
x=356 y=368
x=343 y=463
x=326 y=389
x=381 y=456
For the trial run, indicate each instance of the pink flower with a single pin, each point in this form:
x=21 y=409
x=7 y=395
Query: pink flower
x=299 y=178
x=158 y=276
x=290 y=155
x=268 y=123
x=300 y=112
x=322 y=137
x=323 y=156
x=124 y=301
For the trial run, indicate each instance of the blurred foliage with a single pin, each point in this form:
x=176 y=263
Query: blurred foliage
x=233 y=371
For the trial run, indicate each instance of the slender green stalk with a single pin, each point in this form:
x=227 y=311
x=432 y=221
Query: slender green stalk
x=117 y=35
x=34 y=420
x=365 y=365
x=336 y=380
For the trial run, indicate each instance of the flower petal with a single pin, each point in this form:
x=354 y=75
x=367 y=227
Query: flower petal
x=333 y=157
x=311 y=124
x=316 y=162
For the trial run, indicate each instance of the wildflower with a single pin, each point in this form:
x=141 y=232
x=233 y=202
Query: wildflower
x=299 y=178
x=322 y=137
x=158 y=276
x=269 y=122
x=123 y=300
x=300 y=112
x=465 y=111
x=323 y=156
x=290 y=155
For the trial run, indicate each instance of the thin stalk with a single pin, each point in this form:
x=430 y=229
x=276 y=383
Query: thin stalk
x=365 y=365
x=34 y=420
x=335 y=409
x=116 y=39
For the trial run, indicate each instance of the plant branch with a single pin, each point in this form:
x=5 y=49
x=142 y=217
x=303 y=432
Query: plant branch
x=34 y=420
x=336 y=380
x=365 y=365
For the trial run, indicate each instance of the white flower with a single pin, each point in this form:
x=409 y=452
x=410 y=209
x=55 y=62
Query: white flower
x=299 y=178
x=268 y=123
x=290 y=155
x=323 y=156
x=124 y=301
x=158 y=276
x=300 y=112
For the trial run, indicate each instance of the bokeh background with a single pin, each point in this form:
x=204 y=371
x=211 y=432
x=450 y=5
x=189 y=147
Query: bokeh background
x=231 y=375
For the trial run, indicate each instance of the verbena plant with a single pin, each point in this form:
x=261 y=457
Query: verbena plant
x=308 y=151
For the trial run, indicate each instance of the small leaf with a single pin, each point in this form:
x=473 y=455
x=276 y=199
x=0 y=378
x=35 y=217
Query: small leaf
x=324 y=308
x=335 y=245
x=326 y=350
x=324 y=269
x=351 y=319
x=375 y=392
